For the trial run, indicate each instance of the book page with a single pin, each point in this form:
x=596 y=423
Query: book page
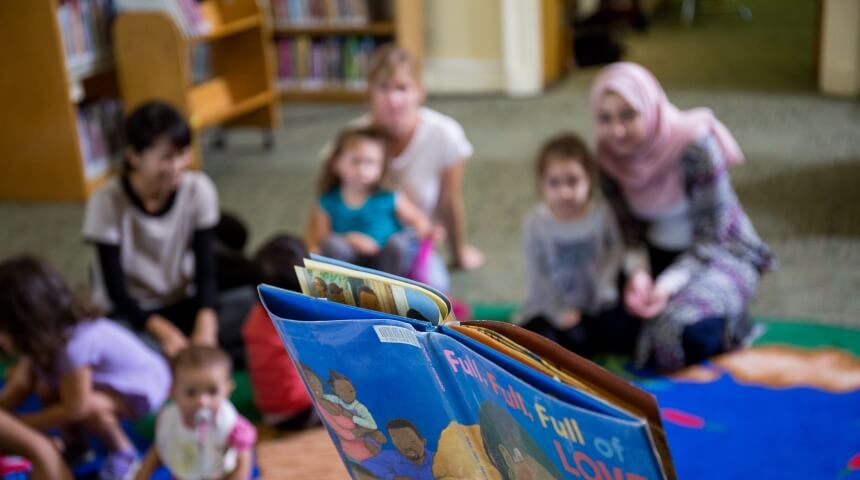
x=532 y=428
x=417 y=297
x=555 y=362
x=367 y=292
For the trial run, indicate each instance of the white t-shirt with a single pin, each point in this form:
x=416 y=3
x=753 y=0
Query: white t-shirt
x=156 y=254
x=438 y=142
x=192 y=453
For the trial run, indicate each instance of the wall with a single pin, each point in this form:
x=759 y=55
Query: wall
x=463 y=46
x=839 y=72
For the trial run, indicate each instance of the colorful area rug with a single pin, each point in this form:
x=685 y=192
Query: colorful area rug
x=787 y=407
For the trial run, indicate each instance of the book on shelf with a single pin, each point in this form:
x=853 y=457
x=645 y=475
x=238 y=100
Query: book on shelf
x=405 y=390
x=185 y=13
x=85 y=31
x=320 y=12
x=339 y=62
x=99 y=125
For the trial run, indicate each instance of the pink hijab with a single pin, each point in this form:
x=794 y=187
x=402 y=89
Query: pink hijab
x=652 y=178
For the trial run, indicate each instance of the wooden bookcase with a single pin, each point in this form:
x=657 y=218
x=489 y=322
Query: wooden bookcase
x=404 y=27
x=557 y=39
x=153 y=61
x=41 y=153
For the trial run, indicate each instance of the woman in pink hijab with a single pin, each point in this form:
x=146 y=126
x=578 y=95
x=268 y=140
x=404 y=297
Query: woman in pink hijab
x=694 y=258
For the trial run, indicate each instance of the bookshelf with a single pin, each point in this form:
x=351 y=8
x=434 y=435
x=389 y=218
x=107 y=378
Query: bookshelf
x=56 y=73
x=239 y=88
x=323 y=46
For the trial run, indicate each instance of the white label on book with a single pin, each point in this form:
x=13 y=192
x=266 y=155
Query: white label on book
x=389 y=334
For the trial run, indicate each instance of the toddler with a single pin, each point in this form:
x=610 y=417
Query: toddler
x=356 y=219
x=200 y=435
x=573 y=253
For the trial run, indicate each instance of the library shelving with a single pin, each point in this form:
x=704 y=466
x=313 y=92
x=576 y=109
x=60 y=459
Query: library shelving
x=153 y=56
x=323 y=46
x=60 y=115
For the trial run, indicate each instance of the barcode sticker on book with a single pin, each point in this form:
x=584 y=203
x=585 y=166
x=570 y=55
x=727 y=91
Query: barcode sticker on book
x=389 y=334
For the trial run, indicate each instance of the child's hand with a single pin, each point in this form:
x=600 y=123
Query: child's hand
x=362 y=244
x=656 y=303
x=637 y=292
x=569 y=319
x=437 y=233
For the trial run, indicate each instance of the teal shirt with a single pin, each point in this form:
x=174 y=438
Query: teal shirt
x=377 y=218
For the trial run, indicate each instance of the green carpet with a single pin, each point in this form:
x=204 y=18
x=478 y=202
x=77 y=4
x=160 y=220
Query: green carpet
x=790 y=332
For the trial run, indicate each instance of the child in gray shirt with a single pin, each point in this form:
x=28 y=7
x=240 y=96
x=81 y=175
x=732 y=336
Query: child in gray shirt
x=573 y=253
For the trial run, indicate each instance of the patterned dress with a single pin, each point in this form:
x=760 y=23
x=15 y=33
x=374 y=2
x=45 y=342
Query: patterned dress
x=723 y=264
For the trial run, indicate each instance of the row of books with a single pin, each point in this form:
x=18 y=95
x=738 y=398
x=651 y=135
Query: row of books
x=186 y=13
x=313 y=12
x=100 y=135
x=340 y=62
x=85 y=29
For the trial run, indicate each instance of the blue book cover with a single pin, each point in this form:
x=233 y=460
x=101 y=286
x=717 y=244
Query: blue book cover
x=406 y=398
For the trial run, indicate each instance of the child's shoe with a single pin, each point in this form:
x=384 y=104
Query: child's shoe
x=120 y=466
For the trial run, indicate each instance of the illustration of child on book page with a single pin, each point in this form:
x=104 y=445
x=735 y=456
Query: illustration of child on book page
x=514 y=453
x=336 y=419
x=319 y=287
x=344 y=396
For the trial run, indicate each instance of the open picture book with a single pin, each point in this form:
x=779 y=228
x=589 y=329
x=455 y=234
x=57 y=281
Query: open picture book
x=407 y=391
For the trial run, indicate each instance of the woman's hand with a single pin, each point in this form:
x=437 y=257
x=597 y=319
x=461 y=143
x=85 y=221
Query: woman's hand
x=169 y=337
x=469 y=258
x=569 y=319
x=361 y=243
x=642 y=298
x=205 y=328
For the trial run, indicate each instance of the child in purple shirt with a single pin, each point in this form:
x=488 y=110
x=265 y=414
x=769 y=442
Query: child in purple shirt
x=88 y=371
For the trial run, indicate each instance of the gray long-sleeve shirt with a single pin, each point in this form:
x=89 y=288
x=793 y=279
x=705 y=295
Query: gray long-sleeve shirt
x=571 y=265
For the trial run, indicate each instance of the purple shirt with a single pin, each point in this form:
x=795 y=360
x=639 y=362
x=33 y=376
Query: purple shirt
x=119 y=362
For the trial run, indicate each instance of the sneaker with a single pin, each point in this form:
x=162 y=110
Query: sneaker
x=120 y=466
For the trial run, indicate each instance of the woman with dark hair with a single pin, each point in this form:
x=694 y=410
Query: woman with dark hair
x=153 y=231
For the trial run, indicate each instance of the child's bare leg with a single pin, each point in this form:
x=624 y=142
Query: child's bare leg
x=18 y=439
x=102 y=421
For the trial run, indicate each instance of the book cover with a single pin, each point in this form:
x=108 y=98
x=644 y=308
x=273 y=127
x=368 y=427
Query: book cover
x=405 y=397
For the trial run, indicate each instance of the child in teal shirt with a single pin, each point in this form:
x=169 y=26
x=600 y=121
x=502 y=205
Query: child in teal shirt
x=356 y=219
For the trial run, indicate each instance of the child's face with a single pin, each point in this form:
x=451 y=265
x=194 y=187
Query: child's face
x=162 y=164
x=360 y=164
x=344 y=390
x=618 y=125
x=195 y=389
x=394 y=102
x=565 y=188
x=315 y=384
x=319 y=287
x=408 y=443
x=368 y=301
